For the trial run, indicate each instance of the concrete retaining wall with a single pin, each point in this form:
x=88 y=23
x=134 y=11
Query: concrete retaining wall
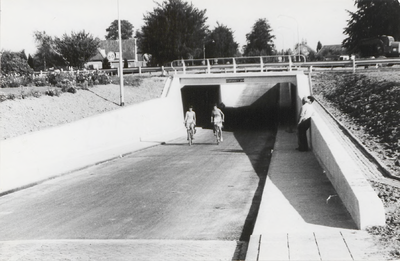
x=351 y=185
x=37 y=156
x=353 y=189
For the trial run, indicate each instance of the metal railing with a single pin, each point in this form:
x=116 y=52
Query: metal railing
x=238 y=64
x=250 y=64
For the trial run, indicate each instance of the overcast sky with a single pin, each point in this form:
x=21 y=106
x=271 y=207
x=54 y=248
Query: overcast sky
x=291 y=20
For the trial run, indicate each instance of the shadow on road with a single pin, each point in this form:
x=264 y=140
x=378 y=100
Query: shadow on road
x=258 y=148
x=186 y=144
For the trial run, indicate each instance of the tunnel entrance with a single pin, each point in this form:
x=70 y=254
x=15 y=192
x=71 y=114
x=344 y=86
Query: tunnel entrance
x=262 y=113
x=275 y=105
x=202 y=98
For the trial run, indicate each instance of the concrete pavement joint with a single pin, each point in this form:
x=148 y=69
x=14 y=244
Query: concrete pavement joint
x=174 y=250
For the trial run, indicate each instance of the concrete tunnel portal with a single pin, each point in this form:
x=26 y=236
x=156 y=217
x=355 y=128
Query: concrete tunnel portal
x=246 y=106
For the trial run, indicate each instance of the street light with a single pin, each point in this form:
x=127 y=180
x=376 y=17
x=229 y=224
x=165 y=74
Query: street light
x=279 y=31
x=121 y=72
x=298 y=36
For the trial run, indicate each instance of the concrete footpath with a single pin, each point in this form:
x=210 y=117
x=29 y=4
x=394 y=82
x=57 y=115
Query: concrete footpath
x=301 y=217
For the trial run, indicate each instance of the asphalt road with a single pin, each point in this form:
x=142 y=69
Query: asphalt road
x=168 y=192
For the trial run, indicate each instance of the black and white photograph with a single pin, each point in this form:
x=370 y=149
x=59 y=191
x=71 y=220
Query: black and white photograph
x=199 y=130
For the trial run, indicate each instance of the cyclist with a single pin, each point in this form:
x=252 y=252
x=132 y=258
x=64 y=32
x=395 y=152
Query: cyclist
x=190 y=121
x=217 y=117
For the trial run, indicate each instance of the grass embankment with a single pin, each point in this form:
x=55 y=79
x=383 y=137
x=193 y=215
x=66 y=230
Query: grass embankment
x=24 y=112
x=368 y=104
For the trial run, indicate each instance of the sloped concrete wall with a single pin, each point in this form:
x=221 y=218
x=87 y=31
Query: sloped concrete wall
x=37 y=156
x=352 y=187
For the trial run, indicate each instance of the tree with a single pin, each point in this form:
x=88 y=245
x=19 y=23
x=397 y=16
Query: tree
x=46 y=55
x=14 y=62
x=174 y=30
x=106 y=63
x=78 y=48
x=319 y=46
x=220 y=43
x=260 y=39
x=372 y=19
x=23 y=55
x=31 y=62
x=126 y=30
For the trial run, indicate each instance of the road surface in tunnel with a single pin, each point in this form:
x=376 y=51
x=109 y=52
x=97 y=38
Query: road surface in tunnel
x=173 y=191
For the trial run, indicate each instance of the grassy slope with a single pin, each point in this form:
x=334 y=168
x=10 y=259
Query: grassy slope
x=368 y=104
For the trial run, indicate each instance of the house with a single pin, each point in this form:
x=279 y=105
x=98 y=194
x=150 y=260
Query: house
x=110 y=49
x=332 y=52
x=304 y=49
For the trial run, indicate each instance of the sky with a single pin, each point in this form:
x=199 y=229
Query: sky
x=291 y=20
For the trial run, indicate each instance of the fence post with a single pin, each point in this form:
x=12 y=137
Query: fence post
x=234 y=65
x=261 y=64
x=290 y=63
x=354 y=65
x=208 y=67
x=184 y=66
x=140 y=70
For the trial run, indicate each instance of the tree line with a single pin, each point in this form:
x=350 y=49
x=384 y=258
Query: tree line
x=176 y=29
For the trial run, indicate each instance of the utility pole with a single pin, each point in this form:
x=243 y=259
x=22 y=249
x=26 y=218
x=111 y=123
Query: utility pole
x=121 y=69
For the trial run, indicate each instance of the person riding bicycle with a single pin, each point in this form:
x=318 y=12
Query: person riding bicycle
x=217 y=117
x=190 y=121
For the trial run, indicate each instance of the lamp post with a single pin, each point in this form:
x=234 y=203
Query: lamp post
x=298 y=36
x=121 y=72
x=279 y=32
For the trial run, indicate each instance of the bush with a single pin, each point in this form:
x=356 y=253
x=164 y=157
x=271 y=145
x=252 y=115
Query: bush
x=82 y=77
x=59 y=78
x=52 y=92
x=40 y=81
x=70 y=89
x=3 y=97
x=11 y=81
x=11 y=96
x=35 y=94
x=100 y=78
x=15 y=62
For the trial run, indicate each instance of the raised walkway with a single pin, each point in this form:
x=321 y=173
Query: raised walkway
x=301 y=217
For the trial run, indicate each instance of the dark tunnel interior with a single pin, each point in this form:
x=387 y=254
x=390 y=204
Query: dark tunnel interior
x=202 y=98
x=264 y=112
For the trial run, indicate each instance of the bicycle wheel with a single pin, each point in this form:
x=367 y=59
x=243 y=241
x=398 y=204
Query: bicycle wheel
x=218 y=135
x=190 y=137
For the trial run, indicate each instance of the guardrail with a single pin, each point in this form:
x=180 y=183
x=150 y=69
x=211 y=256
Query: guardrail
x=269 y=63
x=238 y=64
x=251 y=64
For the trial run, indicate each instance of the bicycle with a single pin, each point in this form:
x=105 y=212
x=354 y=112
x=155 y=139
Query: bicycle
x=218 y=134
x=190 y=134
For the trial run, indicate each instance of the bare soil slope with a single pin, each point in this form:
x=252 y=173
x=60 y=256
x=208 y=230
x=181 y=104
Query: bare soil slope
x=20 y=116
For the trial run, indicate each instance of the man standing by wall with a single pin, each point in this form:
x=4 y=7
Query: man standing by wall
x=304 y=122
